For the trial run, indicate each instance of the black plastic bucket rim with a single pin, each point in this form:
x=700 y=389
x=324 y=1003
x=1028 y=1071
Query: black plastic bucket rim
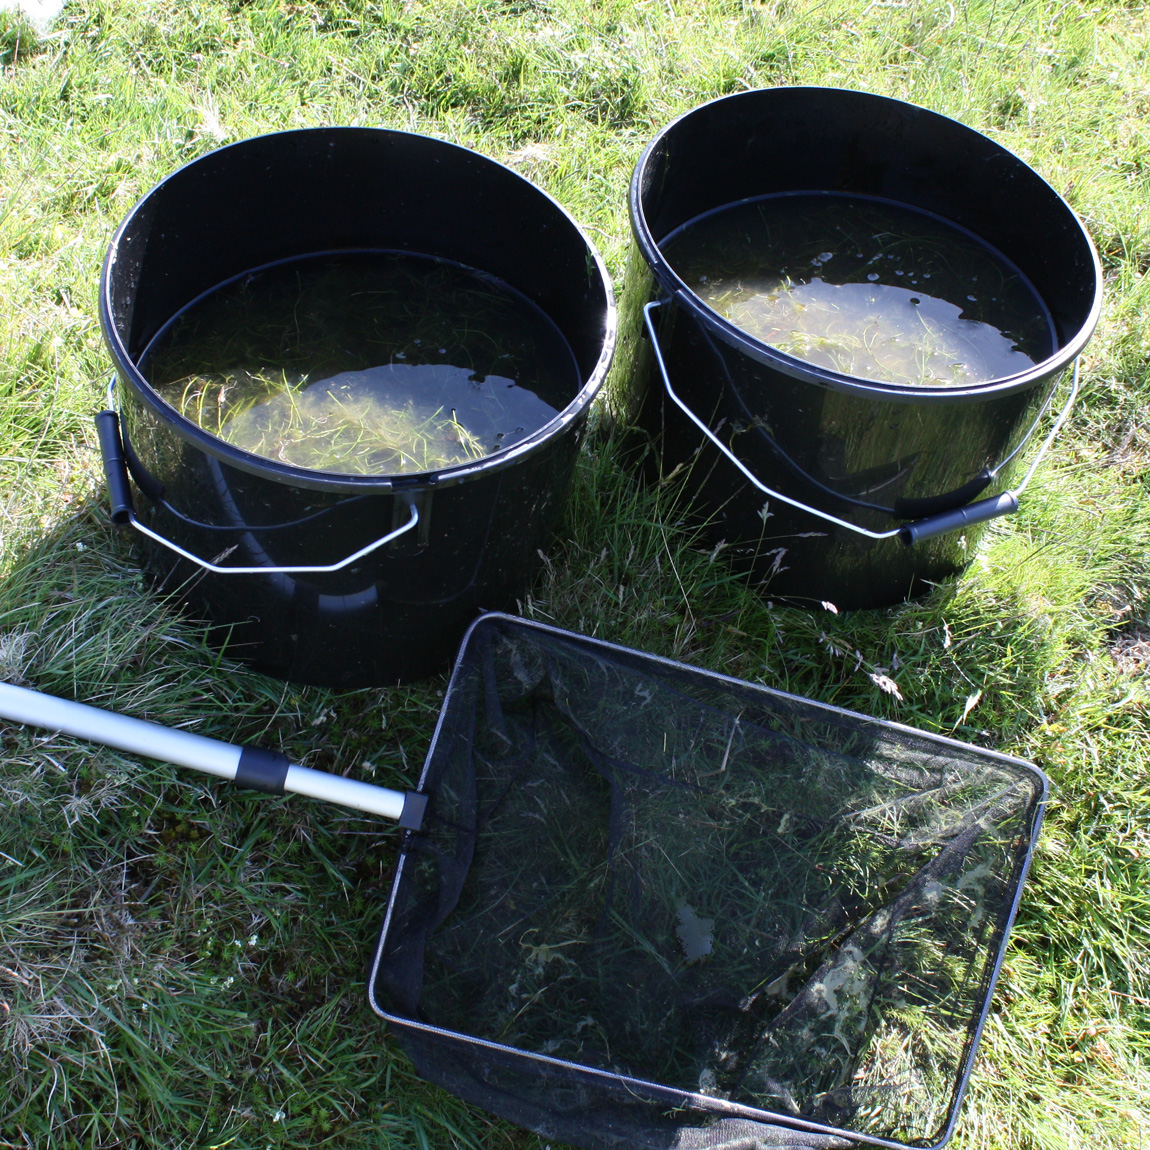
x=674 y=287
x=186 y=429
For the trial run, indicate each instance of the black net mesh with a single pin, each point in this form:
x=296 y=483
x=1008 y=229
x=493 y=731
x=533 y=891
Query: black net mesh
x=655 y=907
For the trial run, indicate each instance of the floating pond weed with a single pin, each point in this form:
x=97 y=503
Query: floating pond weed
x=365 y=364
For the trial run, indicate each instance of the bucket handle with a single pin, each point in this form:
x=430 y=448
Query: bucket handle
x=123 y=512
x=910 y=533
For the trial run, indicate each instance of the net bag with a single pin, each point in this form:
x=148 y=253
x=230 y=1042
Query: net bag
x=655 y=907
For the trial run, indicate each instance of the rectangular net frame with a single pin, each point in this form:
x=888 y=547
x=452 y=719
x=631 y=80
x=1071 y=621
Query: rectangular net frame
x=656 y=907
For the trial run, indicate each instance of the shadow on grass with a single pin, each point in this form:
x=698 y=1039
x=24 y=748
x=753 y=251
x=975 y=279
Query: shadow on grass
x=182 y=963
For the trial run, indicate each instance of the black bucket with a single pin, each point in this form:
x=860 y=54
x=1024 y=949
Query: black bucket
x=346 y=580
x=824 y=486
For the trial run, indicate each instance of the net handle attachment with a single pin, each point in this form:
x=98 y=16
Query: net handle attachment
x=909 y=533
x=253 y=767
x=123 y=513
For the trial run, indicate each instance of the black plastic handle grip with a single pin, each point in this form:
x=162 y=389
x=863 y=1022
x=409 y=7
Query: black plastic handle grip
x=115 y=467
x=978 y=512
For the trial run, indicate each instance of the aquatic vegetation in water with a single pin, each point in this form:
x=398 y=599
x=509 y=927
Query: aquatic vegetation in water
x=365 y=363
x=865 y=288
x=341 y=424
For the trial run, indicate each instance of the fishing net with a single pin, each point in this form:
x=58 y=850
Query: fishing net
x=652 y=906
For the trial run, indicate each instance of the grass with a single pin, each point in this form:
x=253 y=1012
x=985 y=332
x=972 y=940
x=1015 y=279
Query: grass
x=182 y=966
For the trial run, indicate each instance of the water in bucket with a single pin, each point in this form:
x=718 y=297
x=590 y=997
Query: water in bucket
x=367 y=363
x=864 y=287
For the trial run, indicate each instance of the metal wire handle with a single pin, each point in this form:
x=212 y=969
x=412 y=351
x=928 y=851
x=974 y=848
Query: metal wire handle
x=123 y=512
x=909 y=533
